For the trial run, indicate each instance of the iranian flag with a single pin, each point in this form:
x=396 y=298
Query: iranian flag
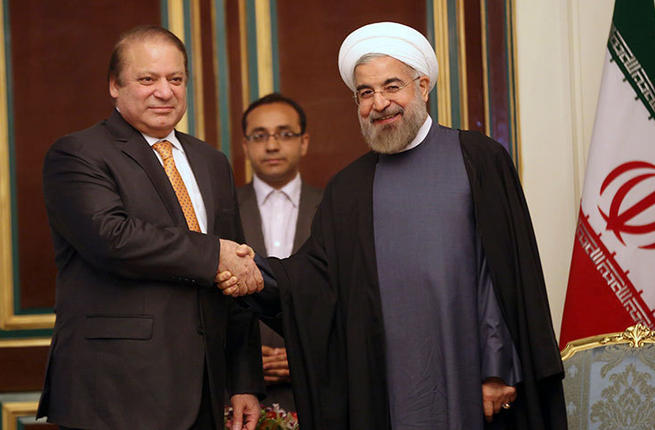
x=612 y=277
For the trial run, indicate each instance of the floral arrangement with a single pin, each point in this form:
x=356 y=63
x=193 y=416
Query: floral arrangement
x=271 y=418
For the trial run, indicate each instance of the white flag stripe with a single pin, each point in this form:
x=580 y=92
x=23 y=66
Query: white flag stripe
x=622 y=133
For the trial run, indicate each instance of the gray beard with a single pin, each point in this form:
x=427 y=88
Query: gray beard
x=390 y=139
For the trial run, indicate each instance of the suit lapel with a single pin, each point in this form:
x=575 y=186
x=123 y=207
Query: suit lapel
x=306 y=209
x=132 y=143
x=252 y=220
x=200 y=169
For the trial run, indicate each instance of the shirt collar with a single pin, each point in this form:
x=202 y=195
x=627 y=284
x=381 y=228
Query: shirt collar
x=263 y=190
x=420 y=136
x=152 y=140
x=171 y=138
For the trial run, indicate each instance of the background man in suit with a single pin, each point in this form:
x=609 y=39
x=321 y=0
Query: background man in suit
x=143 y=338
x=276 y=208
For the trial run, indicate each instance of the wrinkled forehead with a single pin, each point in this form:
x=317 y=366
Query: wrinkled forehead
x=150 y=42
x=273 y=115
x=377 y=68
x=141 y=51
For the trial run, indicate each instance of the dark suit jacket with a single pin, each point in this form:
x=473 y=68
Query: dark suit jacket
x=137 y=315
x=251 y=220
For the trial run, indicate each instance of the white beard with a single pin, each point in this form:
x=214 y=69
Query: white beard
x=393 y=138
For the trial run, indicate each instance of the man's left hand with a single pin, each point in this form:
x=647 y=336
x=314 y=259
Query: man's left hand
x=246 y=411
x=495 y=394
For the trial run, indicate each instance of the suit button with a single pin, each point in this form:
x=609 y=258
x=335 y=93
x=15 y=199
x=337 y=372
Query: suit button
x=200 y=331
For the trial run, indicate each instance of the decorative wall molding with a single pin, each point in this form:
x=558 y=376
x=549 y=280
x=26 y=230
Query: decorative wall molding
x=9 y=318
x=13 y=410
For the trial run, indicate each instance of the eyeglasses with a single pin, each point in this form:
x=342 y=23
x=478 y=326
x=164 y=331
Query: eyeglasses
x=366 y=95
x=280 y=136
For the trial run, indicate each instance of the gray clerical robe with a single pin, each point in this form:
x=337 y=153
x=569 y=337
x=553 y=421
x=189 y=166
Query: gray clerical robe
x=434 y=287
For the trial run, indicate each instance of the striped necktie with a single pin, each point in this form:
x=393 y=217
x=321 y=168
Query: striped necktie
x=165 y=151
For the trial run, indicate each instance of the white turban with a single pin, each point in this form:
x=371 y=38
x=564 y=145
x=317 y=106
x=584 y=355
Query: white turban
x=389 y=38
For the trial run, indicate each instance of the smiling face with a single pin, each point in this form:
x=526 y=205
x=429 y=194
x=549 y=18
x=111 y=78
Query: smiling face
x=275 y=161
x=151 y=95
x=390 y=122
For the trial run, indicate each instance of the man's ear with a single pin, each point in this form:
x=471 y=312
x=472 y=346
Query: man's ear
x=424 y=85
x=304 y=144
x=113 y=87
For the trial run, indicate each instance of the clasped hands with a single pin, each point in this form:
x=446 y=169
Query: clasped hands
x=238 y=274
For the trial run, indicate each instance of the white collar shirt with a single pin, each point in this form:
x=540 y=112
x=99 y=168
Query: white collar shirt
x=420 y=136
x=184 y=168
x=279 y=213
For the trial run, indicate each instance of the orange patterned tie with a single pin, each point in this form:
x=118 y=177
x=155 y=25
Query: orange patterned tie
x=165 y=150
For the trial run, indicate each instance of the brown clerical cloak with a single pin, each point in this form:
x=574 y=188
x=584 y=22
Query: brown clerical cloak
x=334 y=330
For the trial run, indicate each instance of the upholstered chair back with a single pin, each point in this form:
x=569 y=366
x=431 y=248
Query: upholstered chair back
x=610 y=381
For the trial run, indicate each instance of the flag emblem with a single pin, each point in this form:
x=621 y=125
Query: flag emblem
x=627 y=206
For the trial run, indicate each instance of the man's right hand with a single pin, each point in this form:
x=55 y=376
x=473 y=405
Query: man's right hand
x=276 y=366
x=245 y=277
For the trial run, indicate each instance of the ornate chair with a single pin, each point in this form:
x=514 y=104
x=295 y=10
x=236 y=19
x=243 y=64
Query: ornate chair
x=610 y=381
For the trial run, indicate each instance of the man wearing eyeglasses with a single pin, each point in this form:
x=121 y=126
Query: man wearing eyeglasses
x=427 y=308
x=276 y=208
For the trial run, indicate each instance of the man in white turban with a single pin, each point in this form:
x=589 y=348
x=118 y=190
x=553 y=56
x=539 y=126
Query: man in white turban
x=428 y=307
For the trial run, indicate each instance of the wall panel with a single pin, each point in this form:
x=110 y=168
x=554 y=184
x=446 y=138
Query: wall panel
x=239 y=88
x=474 y=66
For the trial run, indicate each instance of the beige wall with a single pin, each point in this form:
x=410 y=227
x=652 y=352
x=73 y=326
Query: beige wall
x=560 y=51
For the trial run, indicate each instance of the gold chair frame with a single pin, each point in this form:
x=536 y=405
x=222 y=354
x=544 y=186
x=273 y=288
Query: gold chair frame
x=636 y=336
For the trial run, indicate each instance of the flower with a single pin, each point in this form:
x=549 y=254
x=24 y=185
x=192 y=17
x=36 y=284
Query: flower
x=271 y=418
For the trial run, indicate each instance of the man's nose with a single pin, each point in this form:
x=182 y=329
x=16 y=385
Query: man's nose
x=379 y=101
x=272 y=144
x=163 y=89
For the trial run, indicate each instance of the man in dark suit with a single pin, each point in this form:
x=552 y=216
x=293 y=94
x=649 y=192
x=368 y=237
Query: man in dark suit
x=142 y=217
x=276 y=208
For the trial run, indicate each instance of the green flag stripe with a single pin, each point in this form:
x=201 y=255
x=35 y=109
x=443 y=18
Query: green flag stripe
x=632 y=45
x=632 y=69
x=635 y=20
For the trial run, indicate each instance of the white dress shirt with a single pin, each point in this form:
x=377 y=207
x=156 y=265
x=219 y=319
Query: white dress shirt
x=182 y=165
x=422 y=133
x=279 y=212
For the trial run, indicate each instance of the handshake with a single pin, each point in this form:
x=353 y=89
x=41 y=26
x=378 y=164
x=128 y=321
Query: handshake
x=238 y=274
